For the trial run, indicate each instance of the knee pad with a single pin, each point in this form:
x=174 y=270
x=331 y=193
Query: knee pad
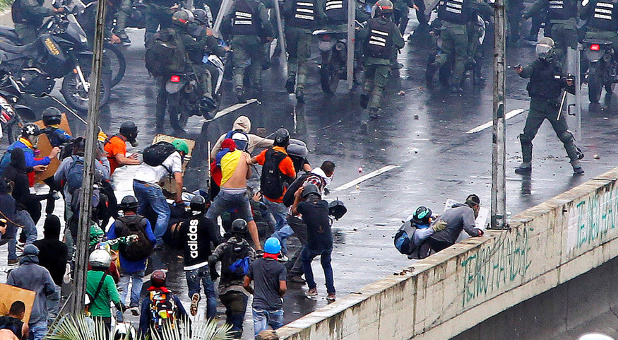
x=566 y=137
x=525 y=140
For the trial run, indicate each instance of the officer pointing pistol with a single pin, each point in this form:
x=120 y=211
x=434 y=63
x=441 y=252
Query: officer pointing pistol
x=546 y=102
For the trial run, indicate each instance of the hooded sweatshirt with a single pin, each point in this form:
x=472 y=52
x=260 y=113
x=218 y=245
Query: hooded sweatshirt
x=7 y=211
x=242 y=123
x=29 y=275
x=16 y=172
x=53 y=254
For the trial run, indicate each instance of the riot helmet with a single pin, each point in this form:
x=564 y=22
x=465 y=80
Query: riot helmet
x=100 y=259
x=310 y=189
x=198 y=204
x=129 y=131
x=384 y=8
x=182 y=18
x=51 y=116
x=239 y=226
x=129 y=203
x=200 y=16
x=157 y=278
x=544 y=47
x=282 y=138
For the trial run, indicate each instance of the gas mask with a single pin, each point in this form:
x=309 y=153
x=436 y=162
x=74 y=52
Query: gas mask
x=134 y=143
x=542 y=50
x=34 y=140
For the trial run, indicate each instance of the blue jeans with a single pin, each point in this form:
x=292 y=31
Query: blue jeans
x=38 y=330
x=308 y=255
x=22 y=217
x=263 y=318
x=280 y=213
x=151 y=194
x=225 y=201
x=193 y=282
x=53 y=305
x=136 y=289
x=281 y=235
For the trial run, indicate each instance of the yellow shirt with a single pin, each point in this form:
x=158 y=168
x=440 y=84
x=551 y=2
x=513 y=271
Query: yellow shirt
x=228 y=165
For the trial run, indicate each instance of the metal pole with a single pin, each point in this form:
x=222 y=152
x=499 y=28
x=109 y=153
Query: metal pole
x=281 y=42
x=498 y=177
x=90 y=156
x=351 y=28
x=226 y=5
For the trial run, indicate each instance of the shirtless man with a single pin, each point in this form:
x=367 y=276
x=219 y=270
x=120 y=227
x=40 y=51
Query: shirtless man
x=233 y=195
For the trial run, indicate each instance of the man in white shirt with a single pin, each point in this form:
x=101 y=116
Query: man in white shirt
x=148 y=192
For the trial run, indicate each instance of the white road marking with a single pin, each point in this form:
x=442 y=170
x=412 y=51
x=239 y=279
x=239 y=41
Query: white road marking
x=366 y=177
x=232 y=108
x=489 y=124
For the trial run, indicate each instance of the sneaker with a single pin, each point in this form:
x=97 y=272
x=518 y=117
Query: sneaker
x=297 y=279
x=364 y=100
x=134 y=310
x=195 y=301
x=312 y=292
x=577 y=168
x=283 y=258
x=524 y=168
x=13 y=262
x=289 y=84
x=331 y=297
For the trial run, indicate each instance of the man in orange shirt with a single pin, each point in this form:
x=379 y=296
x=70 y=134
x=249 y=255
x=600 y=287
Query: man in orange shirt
x=277 y=173
x=116 y=147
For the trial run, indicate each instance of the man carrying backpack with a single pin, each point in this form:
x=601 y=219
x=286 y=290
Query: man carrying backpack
x=277 y=172
x=166 y=161
x=235 y=255
x=195 y=236
x=116 y=147
x=248 y=24
x=161 y=308
x=133 y=256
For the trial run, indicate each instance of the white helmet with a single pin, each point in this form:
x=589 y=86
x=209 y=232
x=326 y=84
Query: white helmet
x=100 y=259
x=595 y=336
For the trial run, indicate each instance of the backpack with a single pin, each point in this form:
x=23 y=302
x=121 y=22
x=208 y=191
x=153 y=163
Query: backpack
x=157 y=153
x=272 y=181
x=134 y=225
x=165 y=54
x=403 y=238
x=288 y=197
x=235 y=262
x=162 y=309
x=75 y=174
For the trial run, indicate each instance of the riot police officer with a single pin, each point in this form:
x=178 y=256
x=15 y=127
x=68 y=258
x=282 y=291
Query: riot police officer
x=602 y=20
x=546 y=96
x=158 y=16
x=562 y=16
x=454 y=14
x=248 y=24
x=379 y=37
x=28 y=16
x=302 y=17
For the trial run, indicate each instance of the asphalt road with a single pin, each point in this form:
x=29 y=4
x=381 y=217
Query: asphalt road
x=421 y=137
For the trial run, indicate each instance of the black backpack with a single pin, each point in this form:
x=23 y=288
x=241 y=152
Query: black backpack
x=272 y=181
x=165 y=53
x=403 y=238
x=157 y=153
x=234 y=261
x=288 y=197
x=134 y=225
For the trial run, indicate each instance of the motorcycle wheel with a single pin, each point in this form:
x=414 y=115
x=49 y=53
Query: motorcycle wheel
x=595 y=82
x=118 y=63
x=178 y=114
x=329 y=78
x=75 y=95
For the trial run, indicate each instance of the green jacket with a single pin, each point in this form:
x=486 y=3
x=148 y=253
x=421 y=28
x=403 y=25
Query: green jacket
x=108 y=292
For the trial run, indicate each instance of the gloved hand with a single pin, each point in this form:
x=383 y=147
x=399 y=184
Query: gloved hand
x=438 y=226
x=214 y=275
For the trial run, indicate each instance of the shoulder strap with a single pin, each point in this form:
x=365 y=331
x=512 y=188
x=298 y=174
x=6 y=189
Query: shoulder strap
x=96 y=294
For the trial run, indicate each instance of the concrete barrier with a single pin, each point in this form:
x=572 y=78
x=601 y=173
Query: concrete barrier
x=450 y=292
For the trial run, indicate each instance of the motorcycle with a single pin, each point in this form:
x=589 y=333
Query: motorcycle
x=61 y=52
x=602 y=67
x=185 y=93
x=10 y=113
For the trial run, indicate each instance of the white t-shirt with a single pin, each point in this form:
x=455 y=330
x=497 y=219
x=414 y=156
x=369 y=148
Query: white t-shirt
x=154 y=174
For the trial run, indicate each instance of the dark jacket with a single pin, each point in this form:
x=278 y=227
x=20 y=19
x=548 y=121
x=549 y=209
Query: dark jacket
x=53 y=254
x=7 y=211
x=195 y=236
x=458 y=218
x=16 y=172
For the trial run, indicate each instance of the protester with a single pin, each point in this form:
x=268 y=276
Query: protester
x=269 y=288
x=460 y=217
x=235 y=255
x=101 y=288
x=116 y=147
x=244 y=140
x=13 y=320
x=159 y=303
x=196 y=236
x=29 y=275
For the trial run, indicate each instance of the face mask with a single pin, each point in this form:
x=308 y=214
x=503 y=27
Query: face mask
x=329 y=179
x=542 y=50
x=34 y=140
x=134 y=143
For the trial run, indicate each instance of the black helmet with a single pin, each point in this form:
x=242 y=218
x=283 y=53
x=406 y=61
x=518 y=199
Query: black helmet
x=30 y=130
x=337 y=209
x=182 y=18
x=128 y=203
x=200 y=16
x=282 y=138
x=157 y=278
x=310 y=189
x=239 y=226
x=198 y=203
x=473 y=200
x=422 y=215
x=51 y=116
x=129 y=130
x=384 y=7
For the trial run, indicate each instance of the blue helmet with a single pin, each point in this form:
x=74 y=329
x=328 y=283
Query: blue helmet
x=272 y=246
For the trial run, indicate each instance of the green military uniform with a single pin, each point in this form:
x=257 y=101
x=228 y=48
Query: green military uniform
x=158 y=15
x=562 y=15
x=28 y=16
x=201 y=45
x=247 y=23
x=602 y=20
x=302 y=17
x=476 y=30
x=514 y=8
x=545 y=89
x=87 y=20
x=121 y=18
x=378 y=39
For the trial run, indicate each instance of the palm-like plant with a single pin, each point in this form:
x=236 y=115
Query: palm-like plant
x=80 y=327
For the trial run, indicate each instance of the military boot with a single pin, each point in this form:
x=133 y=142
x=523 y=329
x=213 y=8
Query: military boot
x=240 y=95
x=290 y=83
x=577 y=167
x=525 y=168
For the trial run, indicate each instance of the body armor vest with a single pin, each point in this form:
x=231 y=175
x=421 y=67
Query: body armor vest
x=604 y=16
